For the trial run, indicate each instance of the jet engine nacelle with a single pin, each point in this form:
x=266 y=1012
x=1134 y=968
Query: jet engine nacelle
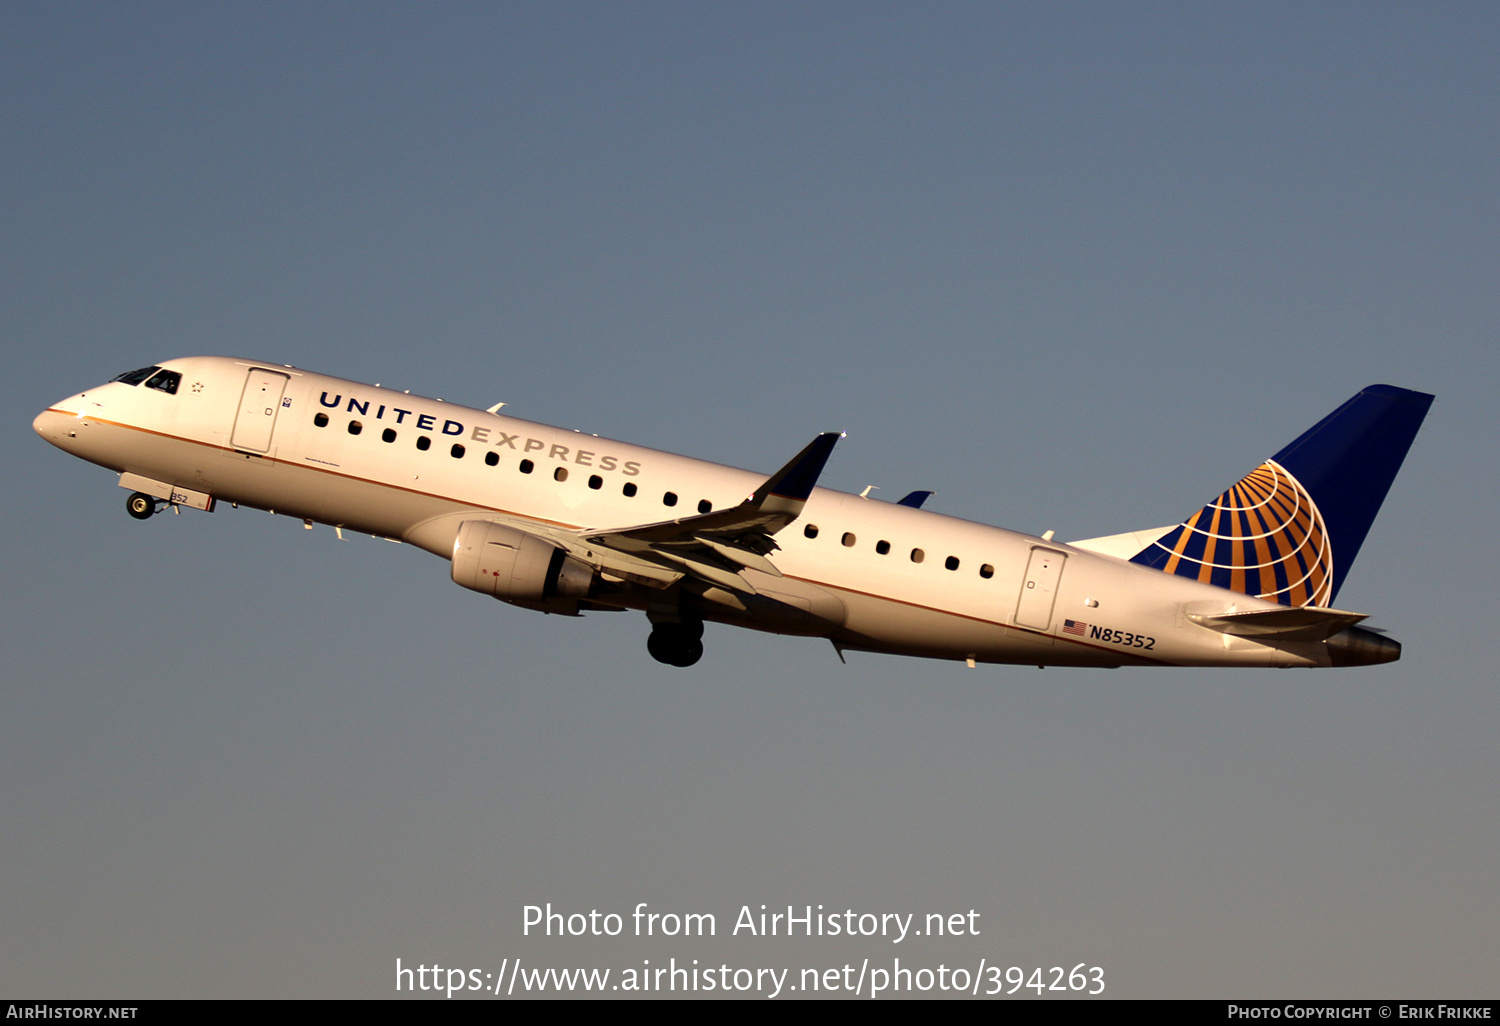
x=519 y=568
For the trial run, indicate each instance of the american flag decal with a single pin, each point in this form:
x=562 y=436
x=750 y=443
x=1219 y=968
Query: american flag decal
x=1077 y=627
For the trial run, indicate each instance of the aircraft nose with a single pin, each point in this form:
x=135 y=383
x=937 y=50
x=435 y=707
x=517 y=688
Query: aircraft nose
x=56 y=425
x=45 y=423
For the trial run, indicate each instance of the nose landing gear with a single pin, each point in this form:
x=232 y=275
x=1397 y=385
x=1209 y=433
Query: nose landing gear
x=676 y=644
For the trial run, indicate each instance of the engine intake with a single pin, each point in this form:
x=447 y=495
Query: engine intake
x=519 y=568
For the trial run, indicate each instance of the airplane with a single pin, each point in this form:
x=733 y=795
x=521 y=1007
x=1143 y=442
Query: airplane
x=567 y=523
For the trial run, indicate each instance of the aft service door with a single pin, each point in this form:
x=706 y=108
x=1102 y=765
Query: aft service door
x=1039 y=589
x=258 y=406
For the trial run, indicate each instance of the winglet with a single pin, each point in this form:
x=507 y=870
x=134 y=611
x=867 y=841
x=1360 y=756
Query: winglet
x=717 y=546
x=793 y=483
x=915 y=499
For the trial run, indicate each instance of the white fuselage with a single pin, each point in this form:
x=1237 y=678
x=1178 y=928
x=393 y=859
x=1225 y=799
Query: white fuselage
x=867 y=574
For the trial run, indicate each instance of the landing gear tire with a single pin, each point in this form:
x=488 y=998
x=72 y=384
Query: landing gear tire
x=140 y=505
x=690 y=653
x=675 y=644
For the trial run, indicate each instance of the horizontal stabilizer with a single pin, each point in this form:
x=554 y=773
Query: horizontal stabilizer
x=1297 y=623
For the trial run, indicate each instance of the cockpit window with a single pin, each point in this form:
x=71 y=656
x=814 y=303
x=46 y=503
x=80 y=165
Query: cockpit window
x=165 y=381
x=135 y=377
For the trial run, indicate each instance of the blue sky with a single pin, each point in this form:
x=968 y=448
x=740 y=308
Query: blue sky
x=1073 y=267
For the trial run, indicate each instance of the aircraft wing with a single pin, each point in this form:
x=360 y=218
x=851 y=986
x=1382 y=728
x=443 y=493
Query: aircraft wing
x=718 y=546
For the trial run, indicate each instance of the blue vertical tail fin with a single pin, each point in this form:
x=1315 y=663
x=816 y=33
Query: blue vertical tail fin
x=1290 y=529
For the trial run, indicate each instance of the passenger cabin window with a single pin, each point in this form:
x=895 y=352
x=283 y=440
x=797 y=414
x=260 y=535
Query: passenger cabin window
x=917 y=555
x=810 y=531
x=492 y=459
x=560 y=474
x=951 y=562
x=424 y=443
x=704 y=506
x=596 y=482
x=321 y=420
x=670 y=499
x=388 y=435
x=986 y=571
x=165 y=381
x=457 y=452
x=355 y=427
x=629 y=489
x=883 y=547
x=848 y=540
x=526 y=466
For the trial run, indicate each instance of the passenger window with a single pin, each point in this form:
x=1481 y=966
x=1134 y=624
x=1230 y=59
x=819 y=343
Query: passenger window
x=492 y=459
x=355 y=427
x=629 y=489
x=848 y=540
x=986 y=571
x=560 y=474
x=526 y=466
x=810 y=531
x=321 y=420
x=670 y=499
x=917 y=555
x=167 y=381
x=704 y=506
x=457 y=451
x=882 y=546
x=424 y=443
x=388 y=435
x=596 y=482
x=951 y=562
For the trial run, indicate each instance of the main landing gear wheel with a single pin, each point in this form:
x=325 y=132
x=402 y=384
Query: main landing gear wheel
x=140 y=505
x=676 y=644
